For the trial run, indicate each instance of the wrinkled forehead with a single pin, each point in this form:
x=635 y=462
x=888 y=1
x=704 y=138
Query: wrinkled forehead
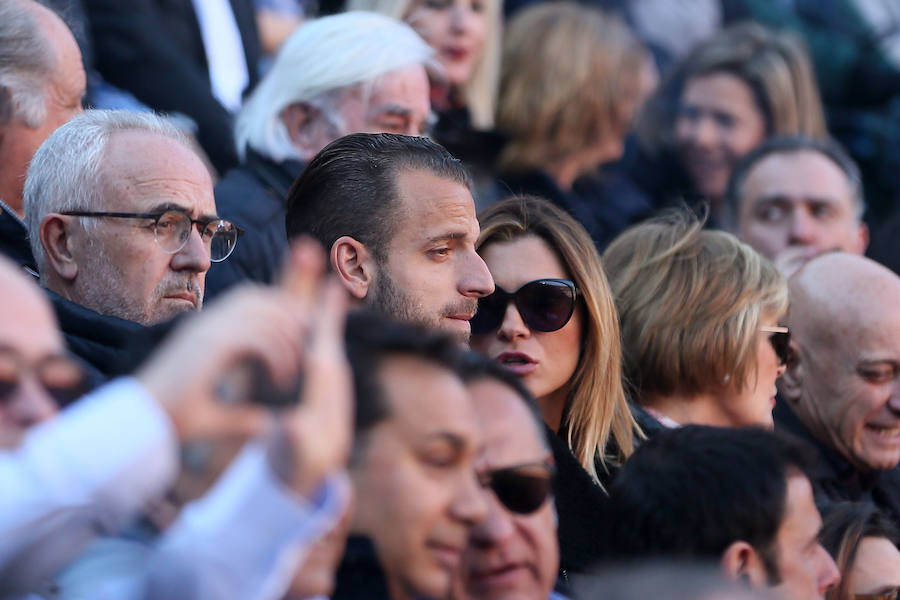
x=141 y=170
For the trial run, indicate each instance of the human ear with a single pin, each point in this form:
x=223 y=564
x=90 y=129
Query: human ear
x=862 y=238
x=303 y=124
x=741 y=562
x=353 y=264
x=791 y=383
x=57 y=241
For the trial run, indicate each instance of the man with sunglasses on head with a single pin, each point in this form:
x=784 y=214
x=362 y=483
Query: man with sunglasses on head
x=841 y=389
x=123 y=228
x=397 y=217
x=513 y=553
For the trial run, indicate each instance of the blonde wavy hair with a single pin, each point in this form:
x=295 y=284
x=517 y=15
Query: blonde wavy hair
x=775 y=66
x=690 y=304
x=570 y=77
x=480 y=93
x=597 y=410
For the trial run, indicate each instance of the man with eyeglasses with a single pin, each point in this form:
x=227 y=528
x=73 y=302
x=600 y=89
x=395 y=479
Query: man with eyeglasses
x=123 y=227
x=513 y=553
x=841 y=390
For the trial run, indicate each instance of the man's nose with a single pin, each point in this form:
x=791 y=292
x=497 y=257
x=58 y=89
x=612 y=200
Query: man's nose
x=496 y=527
x=475 y=280
x=194 y=256
x=470 y=504
x=803 y=229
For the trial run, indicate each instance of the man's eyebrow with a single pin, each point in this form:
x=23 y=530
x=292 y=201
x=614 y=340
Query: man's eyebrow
x=454 y=439
x=394 y=109
x=169 y=205
x=446 y=237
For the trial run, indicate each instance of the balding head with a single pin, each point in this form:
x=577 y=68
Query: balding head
x=29 y=342
x=42 y=81
x=843 y=380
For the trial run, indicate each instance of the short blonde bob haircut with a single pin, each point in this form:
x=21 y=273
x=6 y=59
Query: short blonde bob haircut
x=570 y=78
x=480 y=93
x=690 y=304
x=775 y=66
x=596 y=409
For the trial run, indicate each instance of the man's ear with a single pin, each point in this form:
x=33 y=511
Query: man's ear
x=56 y=239
x=791 y=383
x=863 y=238
x=302 y=121
x=354 y=265
x=741 y=562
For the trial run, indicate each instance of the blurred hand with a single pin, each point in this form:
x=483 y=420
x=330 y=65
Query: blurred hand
x=314 y=438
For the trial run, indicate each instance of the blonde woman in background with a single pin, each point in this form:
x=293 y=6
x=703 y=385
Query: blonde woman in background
x=698 y=313
x=465 y=35
x=551 y=320
x=732 y=92
x=571 y=80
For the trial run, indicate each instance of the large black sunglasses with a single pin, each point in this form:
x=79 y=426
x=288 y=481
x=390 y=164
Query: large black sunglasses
x=780 y=338
x=522 y=489
x=544 y=304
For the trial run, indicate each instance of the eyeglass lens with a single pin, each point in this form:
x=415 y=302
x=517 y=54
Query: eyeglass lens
x=173 y=228
x=544 y=305
x=781 y=343
x=522 y=489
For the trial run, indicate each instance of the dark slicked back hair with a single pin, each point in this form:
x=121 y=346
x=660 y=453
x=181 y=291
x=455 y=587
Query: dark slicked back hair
x=828 y=148
x=693 y=491
x=373 y=338
x=350 y=187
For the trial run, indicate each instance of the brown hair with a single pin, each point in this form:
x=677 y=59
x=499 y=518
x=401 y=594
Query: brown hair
x=774 y=65
x=596 y=410
x=690 y=302
x=569 y=79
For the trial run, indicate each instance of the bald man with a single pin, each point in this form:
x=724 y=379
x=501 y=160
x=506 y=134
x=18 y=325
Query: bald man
x=842 y=385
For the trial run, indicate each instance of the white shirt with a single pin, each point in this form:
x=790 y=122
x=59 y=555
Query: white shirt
x=90 y=470
x=224 y=51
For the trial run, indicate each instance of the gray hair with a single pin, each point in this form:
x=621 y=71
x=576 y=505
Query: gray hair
x=25 y=63
x=323 y=56
x=65 y=173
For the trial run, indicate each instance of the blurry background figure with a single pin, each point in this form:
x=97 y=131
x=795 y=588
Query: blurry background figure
x=42 y=82
x=793 y=198
x=699 y=314
x=863 y=543
x=276 y=20
x=663 y=581
x=572 y=78
x=466 y=36
x=552 y=322
x=193 y=57
x=347 y=73
x=729 y=94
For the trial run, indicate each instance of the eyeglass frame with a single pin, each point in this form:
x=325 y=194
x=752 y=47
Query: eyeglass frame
x=777 y=329
x=156 y=217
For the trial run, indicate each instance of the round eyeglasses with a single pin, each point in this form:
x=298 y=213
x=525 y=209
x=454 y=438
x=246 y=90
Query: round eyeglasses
x=172 y=228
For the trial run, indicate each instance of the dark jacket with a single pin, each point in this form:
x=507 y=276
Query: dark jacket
x=14 y=239
x=835 y=479
x=601 y=201
x=105 y=343
x=252 y=196
x=359 y=576
x=154 y=49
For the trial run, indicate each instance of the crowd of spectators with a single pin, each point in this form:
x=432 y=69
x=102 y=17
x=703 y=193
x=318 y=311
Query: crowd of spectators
x=534 y=300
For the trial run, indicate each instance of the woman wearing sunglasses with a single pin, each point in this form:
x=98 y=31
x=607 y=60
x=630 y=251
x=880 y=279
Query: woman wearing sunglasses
x=698 y=311
x=551 y=320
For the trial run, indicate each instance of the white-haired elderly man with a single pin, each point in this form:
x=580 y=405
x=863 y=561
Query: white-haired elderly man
x=356 y=72
x=42 y=81
x=123 y=228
